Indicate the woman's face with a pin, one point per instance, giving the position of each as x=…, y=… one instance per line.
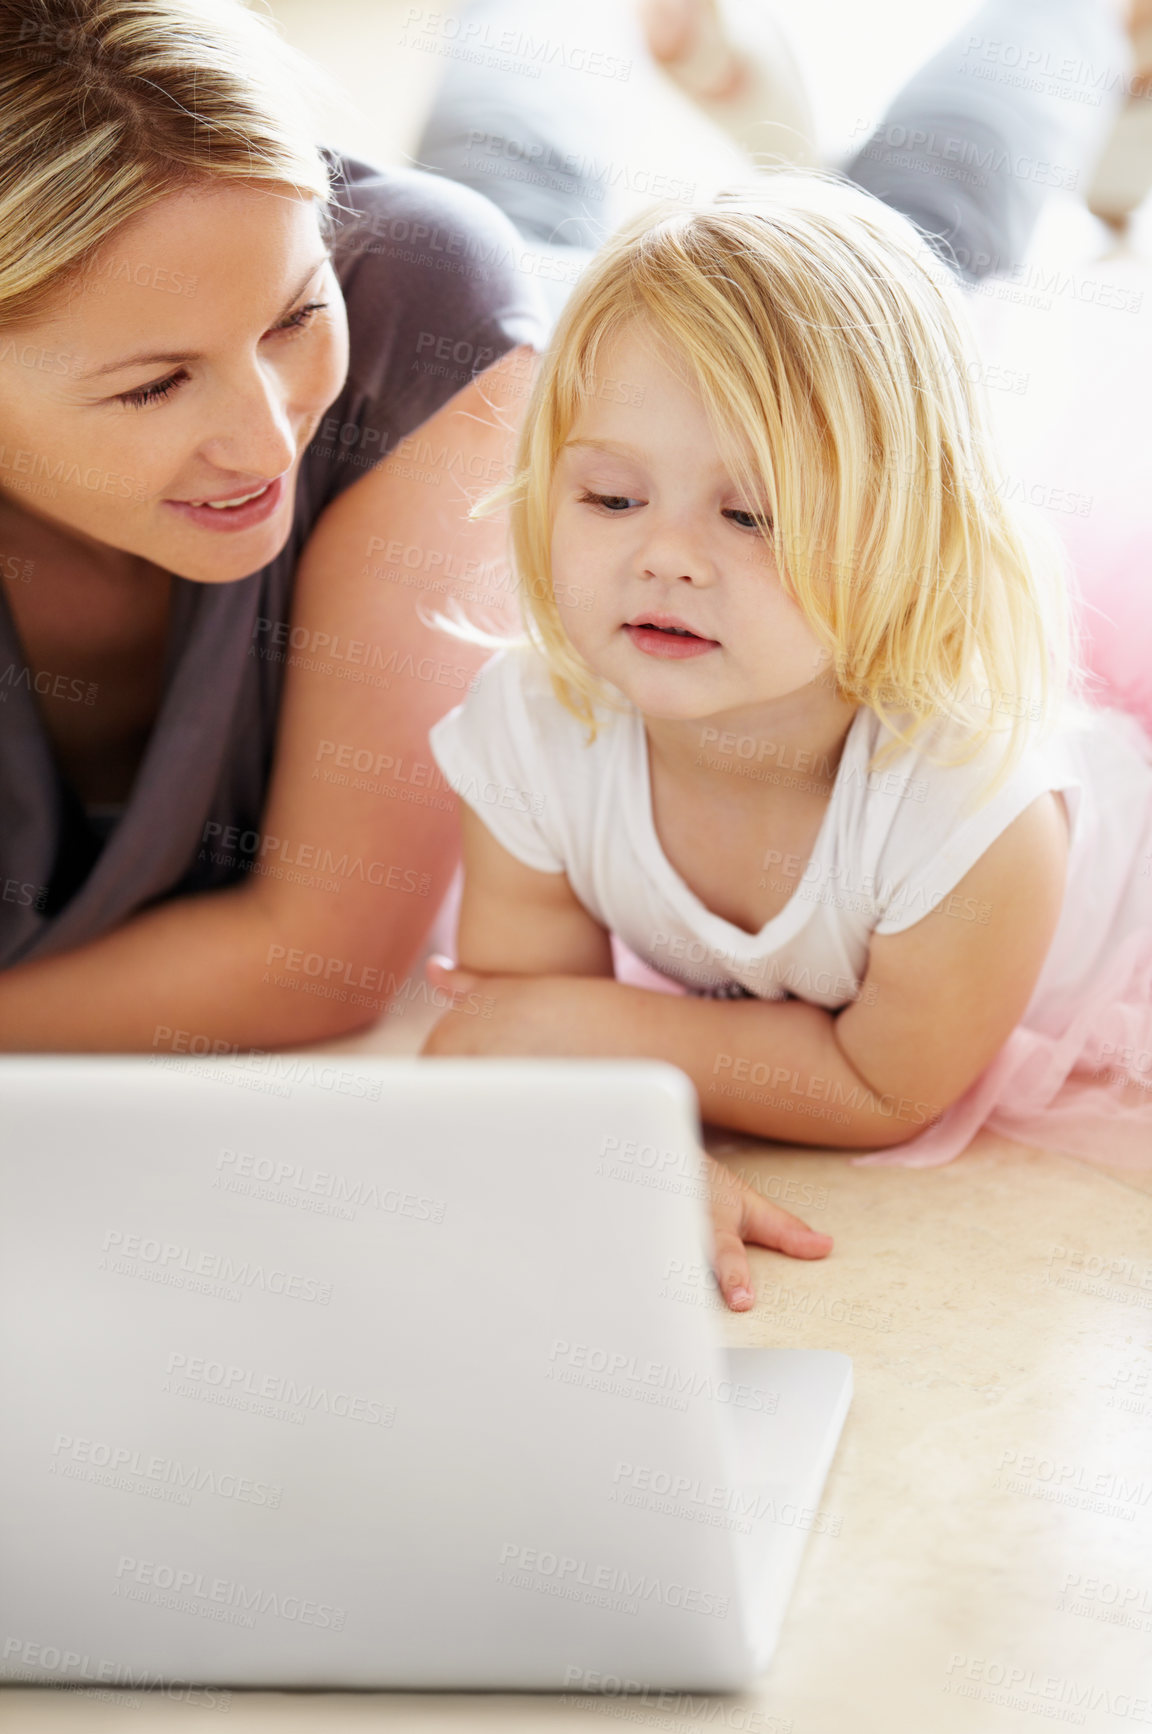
x=189, y=361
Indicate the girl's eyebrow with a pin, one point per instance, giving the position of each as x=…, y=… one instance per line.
x=624, y=450
x=605, y=446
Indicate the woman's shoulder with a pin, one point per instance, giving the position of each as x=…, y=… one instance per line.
x=433, y=215
x=434, y=295
x=431, y=273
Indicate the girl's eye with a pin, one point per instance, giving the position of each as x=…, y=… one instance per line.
x=610, y=502
x=621, y=502
x=153, y=393
x=750, y=520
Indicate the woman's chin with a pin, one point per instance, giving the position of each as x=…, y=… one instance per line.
x=227, y=566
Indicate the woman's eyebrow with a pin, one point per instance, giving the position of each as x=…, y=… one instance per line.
x=156, y=356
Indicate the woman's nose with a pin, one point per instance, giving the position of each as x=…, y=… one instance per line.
x=259, y=437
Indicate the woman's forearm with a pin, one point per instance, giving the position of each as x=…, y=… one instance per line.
x=232, y=969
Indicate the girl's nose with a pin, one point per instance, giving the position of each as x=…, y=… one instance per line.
x=678, y=551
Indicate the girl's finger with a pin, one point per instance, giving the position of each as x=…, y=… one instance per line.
x=766, y=1224
x=730, y=1264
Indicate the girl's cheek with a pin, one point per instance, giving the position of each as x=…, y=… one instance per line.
x=579, y=543
x=576, y=617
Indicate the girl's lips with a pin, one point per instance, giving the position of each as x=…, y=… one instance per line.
x=234, y=517
x=654, y=641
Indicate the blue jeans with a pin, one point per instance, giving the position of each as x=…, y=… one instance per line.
x=1019, y=101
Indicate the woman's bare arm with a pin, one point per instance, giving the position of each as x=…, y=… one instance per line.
x=275, y=961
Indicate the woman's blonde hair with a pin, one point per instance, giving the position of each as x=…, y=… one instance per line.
x=110, y=105
x=825, y=338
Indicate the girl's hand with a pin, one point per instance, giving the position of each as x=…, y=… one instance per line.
x=740, y=1214
x=525, y=1015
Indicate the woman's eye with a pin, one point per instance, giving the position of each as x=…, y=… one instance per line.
x=153, y=393
x=610, y=502
x=750, y=520
x=302, y=316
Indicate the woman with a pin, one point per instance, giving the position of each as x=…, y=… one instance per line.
x=197, y=307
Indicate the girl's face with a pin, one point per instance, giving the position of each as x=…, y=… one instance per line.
x=648, y=523
x=189, y=362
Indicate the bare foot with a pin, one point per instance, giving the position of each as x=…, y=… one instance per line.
x=733, y=61
x=687, y=38
x=1140, y=33
x=1123, y=175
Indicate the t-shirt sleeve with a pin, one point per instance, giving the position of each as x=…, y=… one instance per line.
x=485, y=751
x=938, y=832
x=429, y=271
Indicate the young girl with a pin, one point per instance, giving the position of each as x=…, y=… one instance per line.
x=798, y=718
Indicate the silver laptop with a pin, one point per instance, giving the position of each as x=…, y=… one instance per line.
x=390, y=1373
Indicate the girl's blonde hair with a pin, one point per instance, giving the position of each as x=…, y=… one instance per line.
x=109, y=105
x=825, y=338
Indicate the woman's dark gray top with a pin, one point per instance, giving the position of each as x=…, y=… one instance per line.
x=428, y=270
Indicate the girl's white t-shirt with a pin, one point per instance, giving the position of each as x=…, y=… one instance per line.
x=894, y=843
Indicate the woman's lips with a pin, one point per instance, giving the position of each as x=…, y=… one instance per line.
x=661, y=641
x=243, y=517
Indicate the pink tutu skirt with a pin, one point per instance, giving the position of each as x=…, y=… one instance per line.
x=1115, y=615
x=1086, y=1093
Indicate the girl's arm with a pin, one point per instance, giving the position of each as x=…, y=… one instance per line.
x=272, y=962
x=937, y=1003
x=515, y=919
